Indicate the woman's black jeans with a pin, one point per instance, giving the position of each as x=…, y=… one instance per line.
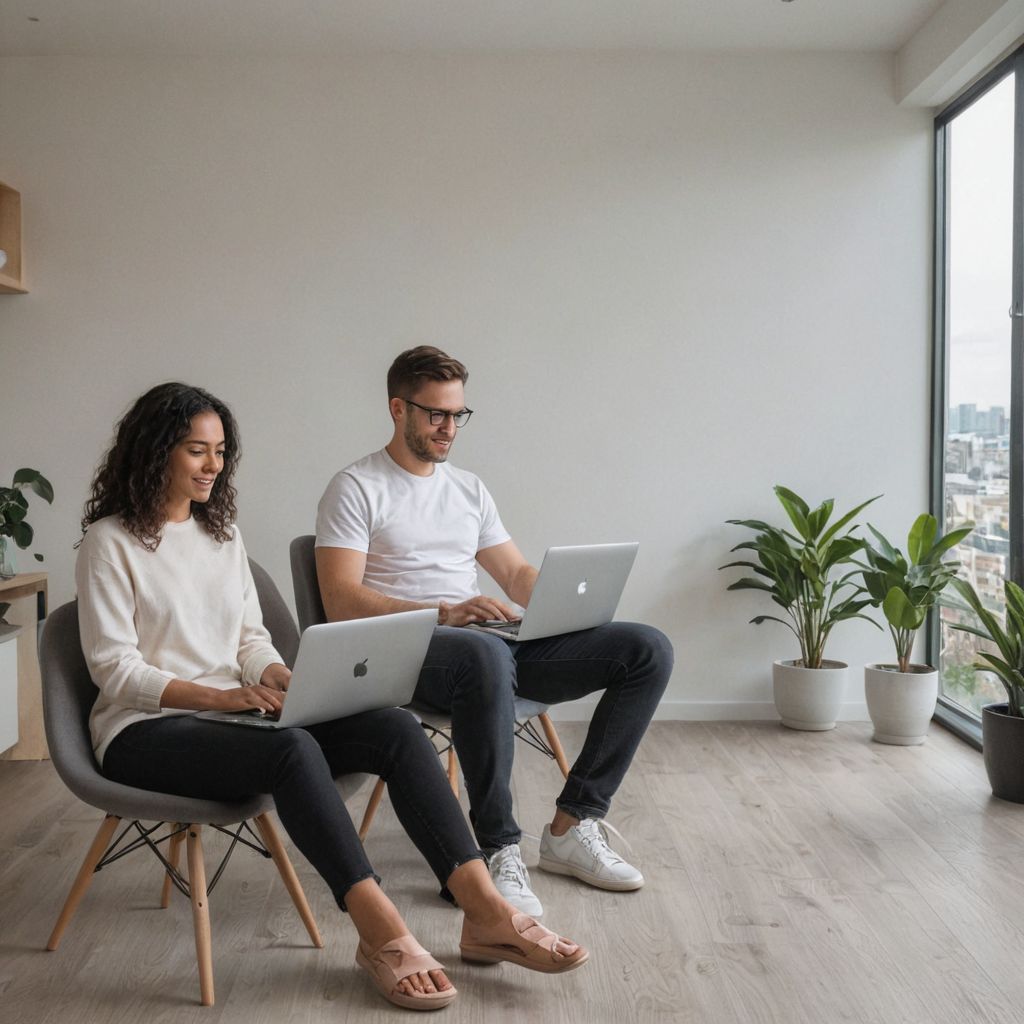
x=196, y=757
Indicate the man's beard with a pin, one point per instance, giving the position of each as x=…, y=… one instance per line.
x=421, y=447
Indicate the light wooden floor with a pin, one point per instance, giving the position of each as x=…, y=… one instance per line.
x=791, y=877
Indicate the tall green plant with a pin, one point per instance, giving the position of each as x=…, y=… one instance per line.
x=1008, y=664
x=907, y=587
x=14, y=506
x=798, y=571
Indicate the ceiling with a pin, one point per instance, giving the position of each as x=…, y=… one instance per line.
x=321, y=27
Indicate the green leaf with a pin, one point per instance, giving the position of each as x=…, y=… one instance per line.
x=34, y=479
x=997, y=665
x=756, y=621
x=751, y=524
x=950, y=540
x=819, y=517
x=1014, y=619
x=841, y=550
x=993, y=630
x=747, y=545
x=885, y=548
x=749, y=584
x=1014, y=598
x=921, y=537
x=866, y=618
x=22, y=534
x=1014, y=594
x=901, y=613
x=964, y=628
x=836, y=527
x=759, y=569
x=796, y=508
x=875, y=584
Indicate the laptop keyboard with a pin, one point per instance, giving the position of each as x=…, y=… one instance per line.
x=509, y=628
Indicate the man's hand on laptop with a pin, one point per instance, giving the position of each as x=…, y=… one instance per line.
x=476, y=609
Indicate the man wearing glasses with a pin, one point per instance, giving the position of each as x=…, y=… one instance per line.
x=403, y=529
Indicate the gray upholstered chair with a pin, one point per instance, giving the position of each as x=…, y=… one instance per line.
x=68, y=696
x=310, y=608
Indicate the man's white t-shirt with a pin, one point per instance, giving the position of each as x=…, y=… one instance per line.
x=420, y=533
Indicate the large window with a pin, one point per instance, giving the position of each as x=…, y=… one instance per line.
x=978, y=467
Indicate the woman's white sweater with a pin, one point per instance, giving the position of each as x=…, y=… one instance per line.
x=188, y=610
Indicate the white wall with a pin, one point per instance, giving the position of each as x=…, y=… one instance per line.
x=676, y=281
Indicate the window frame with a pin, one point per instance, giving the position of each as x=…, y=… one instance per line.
x=948, y=712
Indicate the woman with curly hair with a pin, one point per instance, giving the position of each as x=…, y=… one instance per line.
x=171, y=624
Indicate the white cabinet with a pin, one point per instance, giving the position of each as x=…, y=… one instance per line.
x=8, y=686
x=26, y=594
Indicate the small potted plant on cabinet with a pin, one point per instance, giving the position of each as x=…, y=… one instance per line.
x=13, y=509
x=901, y=697
x=1002, y=725
x=799, y=572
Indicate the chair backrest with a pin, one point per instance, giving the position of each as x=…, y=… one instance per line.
x=276, y=616
x=68, y=695
x=308, y=602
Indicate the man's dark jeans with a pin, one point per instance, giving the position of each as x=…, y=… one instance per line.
x=474, y=677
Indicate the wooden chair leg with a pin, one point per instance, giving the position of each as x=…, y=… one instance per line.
x=200, y=913
x=173, y=853
x=84, y=878
x=554, y=743
x=453, y=771
x=371, y=808
x=272, y=841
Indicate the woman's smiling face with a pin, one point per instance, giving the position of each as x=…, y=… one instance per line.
x=194, y=465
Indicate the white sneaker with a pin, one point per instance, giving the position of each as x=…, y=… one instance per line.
x=512, y=880
x=584, y=853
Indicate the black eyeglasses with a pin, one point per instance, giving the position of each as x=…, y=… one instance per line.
x=438, y=416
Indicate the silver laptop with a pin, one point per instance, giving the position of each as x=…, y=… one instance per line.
x=345, y=668
x=577, y=588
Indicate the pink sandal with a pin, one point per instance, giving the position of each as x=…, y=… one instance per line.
x=520, y=940
x=395, y=961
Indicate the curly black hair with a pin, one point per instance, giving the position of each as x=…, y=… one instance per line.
x=131, y=480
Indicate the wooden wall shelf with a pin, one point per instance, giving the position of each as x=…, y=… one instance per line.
x=12, y=273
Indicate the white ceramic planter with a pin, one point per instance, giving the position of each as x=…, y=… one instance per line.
x=809, y=698
x=901, y=704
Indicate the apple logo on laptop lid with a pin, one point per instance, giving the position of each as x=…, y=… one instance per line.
x=360, y=669
x=582, y=588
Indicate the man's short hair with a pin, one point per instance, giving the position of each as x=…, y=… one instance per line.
x=416, y=366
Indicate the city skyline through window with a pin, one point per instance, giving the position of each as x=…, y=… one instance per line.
x=979, y=154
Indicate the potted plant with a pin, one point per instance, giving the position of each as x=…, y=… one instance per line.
x=1002, y=725
x=799, y=572
x=13, y=509
x=901, y=697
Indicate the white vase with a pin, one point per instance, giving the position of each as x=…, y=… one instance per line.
x=809, y=698
x=901, y=704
